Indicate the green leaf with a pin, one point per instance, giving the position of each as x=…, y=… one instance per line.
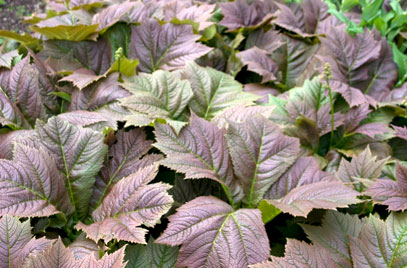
x=268, y=211
x=67, y=32
x=401, y=60
x=125, y=66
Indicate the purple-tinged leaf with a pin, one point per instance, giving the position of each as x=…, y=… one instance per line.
x=160, y=95
x=303, y=19
x=323, y=195
x=391, y=193
x=146, y=10
x=78, y=154
x=293, y=58
x=372, y=129
x=259, y=62
x=129, y=204
x=165, y=46
x=82, y=78
x=31, y=185
x=83, y=247
x=102, y=98
x=112, y=14
x=77, y=4
x=304, y=171
x=14, y=235
x=239, y=14
x=34, y=246
x=260, y=154
x=125, y=157
x=178, y=11
x=95, y=56
x=362, y=166
x=354, y=116
x=268, y=41
x=261, y=90
x=200, y=151
x=336, y=229
x=300, y=254
x=55, y=256
x=239, y=114
x=114, y=260
x=212, y=234
x=214, y=91
x=381, y=243
x=400, y=132
x=7, y=142
x=92, y=120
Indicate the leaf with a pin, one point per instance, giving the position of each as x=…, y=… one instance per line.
x=82, y=78
x=126, y=156
x=362, y=166
x=21, y=87
x=31, y=185
x=129, y=204
x=92, y=120
x=389, y=192
x=83, y=247
x=239, y=14
x=14, y=235
x=214, y=91
x=111, y=15
x=200, y=151
x=212, y=234
x=268, y=212
x=299, y=254
x=165, y=47
x=381, y=243
x=101, y=97
x=240, y=114
x=305, y=170
x=260, y=154
x=64, y=27
x=160, y=95
x=324, y=195
x=257, y=61
x=6, y=59
x=78, y=154
x=336, y=228
x=293, y=58
x=115, y=259
x=55, y=256
x=151, y=255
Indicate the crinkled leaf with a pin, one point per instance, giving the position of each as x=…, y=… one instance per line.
x=179, y=12
x=336, y=229
x=125, y=157
x=200, y=151
x=111, y=14
x=260, y=154
x=324, y=194
x=381, y=243
x=391, y=193
x=240, y=114
x=304, y=171
x=83, y=247
x=214, y=91
x=78, y=153
x=31, y=185
x=115, y=260
x=240, y=13
x=6, y=59
x=299, y=254
x=259, y=62
x=160, y=95
x=212, y=234
x=362, y=166
x=88, y=119
x=165, y=46
x=82, y=78
x=151, y=255
x=129, y=204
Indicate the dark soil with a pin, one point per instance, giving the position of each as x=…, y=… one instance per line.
x=12, y=13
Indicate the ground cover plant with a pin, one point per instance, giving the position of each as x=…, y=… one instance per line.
x=188, y=133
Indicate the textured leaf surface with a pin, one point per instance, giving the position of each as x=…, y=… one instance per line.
x=115, y=260
x=260, y=154
x=78, y=153
x=164, y=47
x=31, y=185
x=214, y=91
x=125, y=157
x=200, y=151
x=325, y=194
x=160, y=95
x=259, y=62
x=129, y=204
x=213, y=235
x=391, y=193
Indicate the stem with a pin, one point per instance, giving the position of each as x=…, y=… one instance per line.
x=226, y=190
x=331, y=140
